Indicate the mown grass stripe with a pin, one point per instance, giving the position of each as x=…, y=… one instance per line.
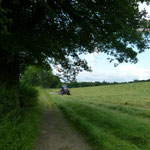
x=98, y=136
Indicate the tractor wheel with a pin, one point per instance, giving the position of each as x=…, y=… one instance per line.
x=68, y=93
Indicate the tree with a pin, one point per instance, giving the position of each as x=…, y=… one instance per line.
x=36, y=76
x=39, y=32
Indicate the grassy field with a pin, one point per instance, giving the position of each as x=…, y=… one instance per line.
x=115, y=117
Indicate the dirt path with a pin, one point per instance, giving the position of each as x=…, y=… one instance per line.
x=57, y=134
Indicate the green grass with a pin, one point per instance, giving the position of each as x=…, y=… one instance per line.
x=115, y=117
x=18, y=132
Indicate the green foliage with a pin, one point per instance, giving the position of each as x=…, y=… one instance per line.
x=113, y=117
x=18, y=128
x=18, y=131
x=14, y=98
x=4, y=21
x=37, y=76
x=9, y=136
x=56, y=32
x=42, y=32
x=27, y=96
x=31, y=76
x=8, y=99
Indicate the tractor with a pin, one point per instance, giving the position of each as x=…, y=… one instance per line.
x=64, y=90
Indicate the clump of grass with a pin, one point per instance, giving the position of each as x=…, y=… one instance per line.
x=17, y=133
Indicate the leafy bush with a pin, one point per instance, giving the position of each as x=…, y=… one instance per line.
x=18, y=127
x=9, y=99
x=16, y=97
x=9, y=136
x=27, y=96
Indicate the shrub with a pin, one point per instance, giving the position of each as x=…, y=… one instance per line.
x=9, y=99
x=27, y=96
x=9, y=137
x=18, y=127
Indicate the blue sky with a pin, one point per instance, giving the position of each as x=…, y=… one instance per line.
x=103, y=70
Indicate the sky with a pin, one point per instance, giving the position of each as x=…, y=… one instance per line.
x=105, y=71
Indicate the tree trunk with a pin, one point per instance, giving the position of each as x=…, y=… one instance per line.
x=9, y=67
x=9, y=81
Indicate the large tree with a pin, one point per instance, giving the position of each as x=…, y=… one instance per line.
x=39, y=32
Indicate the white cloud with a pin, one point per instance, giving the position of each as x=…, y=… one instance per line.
x=120, y=74
x=91, y=58
x=143, y=6
x=134, y=71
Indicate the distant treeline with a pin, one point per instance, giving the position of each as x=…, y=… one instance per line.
x=76, y=84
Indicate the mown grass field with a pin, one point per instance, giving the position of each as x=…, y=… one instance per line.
x=115, y=117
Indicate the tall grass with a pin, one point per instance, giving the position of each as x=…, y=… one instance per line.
x=19, y=128
x=112, y=117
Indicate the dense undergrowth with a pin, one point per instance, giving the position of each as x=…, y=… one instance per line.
x=19, y=126
x=110, y=117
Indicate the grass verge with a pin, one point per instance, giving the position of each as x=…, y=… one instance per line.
x=18, y=129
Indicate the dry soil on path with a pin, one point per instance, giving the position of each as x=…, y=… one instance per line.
x=56, y=133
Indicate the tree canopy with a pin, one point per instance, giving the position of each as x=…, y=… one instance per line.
x=39, y=32
x=44, y=32
x=37, y=76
